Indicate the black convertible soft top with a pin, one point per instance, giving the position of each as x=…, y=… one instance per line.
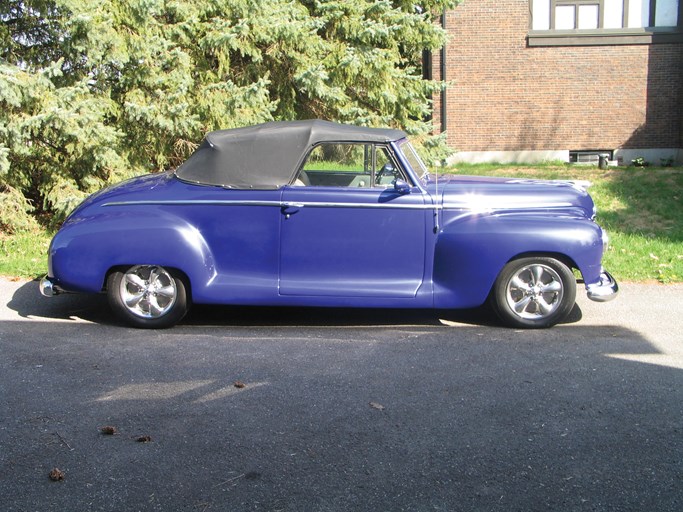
x=267, y=155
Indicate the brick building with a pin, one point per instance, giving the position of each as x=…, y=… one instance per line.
x=533, y=80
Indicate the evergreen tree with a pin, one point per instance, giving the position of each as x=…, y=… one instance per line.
x=91, y=93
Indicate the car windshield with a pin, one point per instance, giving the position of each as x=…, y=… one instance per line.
x=414, y=160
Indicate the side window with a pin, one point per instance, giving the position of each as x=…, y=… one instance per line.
x=347, y=165
x=386, y=170
x=338, y=165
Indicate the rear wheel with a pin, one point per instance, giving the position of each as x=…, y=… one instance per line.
x=534, y=292
x=147, y=296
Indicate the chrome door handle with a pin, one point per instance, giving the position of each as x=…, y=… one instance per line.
x=289, y=209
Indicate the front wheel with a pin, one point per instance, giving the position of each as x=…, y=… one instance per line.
x=147, y=296
x=534, y=292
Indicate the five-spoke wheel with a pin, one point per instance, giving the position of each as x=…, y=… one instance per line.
x=534, y=292
x=147, y=296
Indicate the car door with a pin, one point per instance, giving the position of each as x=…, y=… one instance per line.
x=346, y=231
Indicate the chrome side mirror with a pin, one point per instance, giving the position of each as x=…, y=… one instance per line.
x=401, y=186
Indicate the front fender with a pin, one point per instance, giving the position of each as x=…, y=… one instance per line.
x=84, y=250
x=472, y=250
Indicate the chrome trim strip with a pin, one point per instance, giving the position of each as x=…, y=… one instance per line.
x=467, y=206
x=484, y=206
x=193, y=202
x=368, y=205
x=278, y=204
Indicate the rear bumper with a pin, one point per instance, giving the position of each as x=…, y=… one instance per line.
x=48, y=288
x=604, y=290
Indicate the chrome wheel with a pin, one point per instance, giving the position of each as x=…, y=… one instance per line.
x=535, y=291
x=148, y=296
x=148, y=291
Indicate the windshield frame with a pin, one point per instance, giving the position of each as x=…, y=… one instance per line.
x=412, y=157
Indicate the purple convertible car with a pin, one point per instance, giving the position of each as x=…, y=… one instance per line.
x=313, y=213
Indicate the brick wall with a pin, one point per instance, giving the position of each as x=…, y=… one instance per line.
x=506, y=96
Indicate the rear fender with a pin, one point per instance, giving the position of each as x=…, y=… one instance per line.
x=471, y=251
x=84, y=250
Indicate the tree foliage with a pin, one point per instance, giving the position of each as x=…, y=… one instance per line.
x=94, y=92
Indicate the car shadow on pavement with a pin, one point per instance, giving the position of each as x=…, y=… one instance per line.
x=28, y=303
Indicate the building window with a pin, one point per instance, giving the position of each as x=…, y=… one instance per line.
x=575, y=15
x=606, y=21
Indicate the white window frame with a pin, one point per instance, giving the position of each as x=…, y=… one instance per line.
x=633, y=28
x=554, y=4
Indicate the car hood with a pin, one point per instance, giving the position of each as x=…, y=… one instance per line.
x=491, y=193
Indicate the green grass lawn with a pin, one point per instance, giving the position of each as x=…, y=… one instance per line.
x=24, y=254
x=642, y=210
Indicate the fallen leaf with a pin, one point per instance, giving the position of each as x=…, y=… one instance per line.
x=239, y=384
x=377, y=406
x=144, y=439
x=56, y=475
x=109, y=430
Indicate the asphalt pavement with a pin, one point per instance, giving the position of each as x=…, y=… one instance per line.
x=259, y=409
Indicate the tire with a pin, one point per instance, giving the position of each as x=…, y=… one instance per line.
x=147, y=296
x=534, y=292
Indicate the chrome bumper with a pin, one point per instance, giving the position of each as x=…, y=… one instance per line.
x=605, y=290
x=48, y=288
